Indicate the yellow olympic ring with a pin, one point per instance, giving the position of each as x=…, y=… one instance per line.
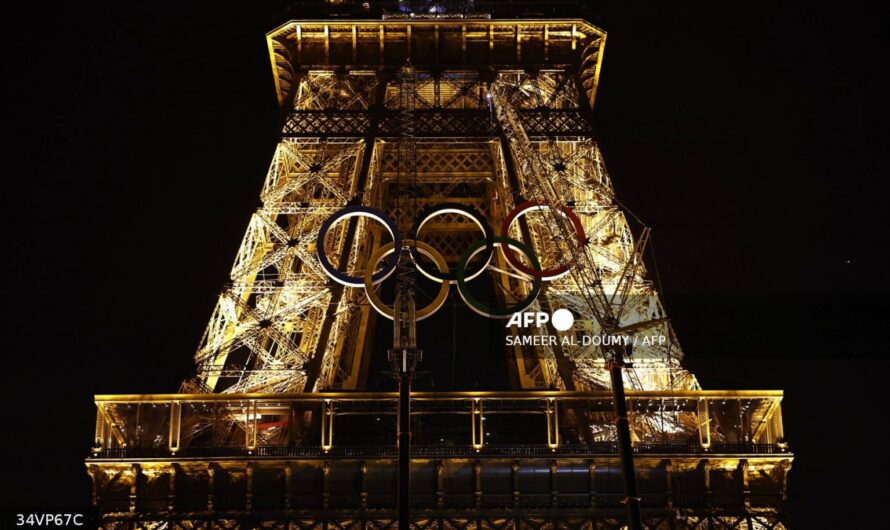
x=422, y=248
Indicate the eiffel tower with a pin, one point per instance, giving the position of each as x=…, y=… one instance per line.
x=438, y=242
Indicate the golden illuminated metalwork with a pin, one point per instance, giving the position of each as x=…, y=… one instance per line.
x=701, y=455
x=272, y=431
x=279, y=311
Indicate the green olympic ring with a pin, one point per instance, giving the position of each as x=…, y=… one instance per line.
x=479, y=307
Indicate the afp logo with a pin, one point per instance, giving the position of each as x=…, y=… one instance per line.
x=562, y=319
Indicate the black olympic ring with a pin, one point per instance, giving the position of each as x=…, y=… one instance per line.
x=346, y=213
x=465, y=211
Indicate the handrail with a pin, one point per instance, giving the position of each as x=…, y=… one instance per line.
x=443, y=396
x=391, y=451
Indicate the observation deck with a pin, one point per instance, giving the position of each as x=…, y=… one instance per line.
x=329, y=456
x=436, y=43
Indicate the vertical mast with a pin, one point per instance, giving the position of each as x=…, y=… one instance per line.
x=404, y=356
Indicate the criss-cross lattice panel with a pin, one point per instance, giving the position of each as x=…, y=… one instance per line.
x=267, y=321
x=727, y=522
x=550, y=122
x=312, y=123
x=448, y=172
x=454, y=162
x=325, y=90
x=544, y=89
x=381, y=523
x=449, y=90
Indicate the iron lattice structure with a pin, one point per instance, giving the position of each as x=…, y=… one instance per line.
x=484, y=144
x=494, y=113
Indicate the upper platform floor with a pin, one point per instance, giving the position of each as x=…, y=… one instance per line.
x=435, y=43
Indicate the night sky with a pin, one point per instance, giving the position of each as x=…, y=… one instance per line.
x=750, y=136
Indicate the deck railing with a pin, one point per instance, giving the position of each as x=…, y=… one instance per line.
x=343, y=424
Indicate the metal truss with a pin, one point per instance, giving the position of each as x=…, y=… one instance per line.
x=266, y=324
x=270, y=319
x=432, y=123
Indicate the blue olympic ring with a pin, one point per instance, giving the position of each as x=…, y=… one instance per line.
x=358, y=211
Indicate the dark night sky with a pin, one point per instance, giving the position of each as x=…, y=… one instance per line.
x=747, y=134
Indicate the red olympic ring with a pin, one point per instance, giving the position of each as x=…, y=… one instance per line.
x=545, y=274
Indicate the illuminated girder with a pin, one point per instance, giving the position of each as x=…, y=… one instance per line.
x=278, y=294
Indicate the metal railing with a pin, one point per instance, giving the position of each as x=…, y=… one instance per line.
x=524, y=423
x=445, y=452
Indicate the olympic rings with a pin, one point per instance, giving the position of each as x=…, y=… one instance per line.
x=536, y=271
x=422, y=248
x=478, y=306
x=465, y=211
x=346, y=213
x=442, y=273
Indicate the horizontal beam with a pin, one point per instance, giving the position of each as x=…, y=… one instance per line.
x=442, y=396
x=596, y=450
x=320, y=23
x=432, y=123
